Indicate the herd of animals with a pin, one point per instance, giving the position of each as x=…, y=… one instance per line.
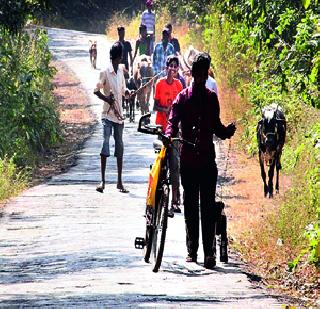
x=271, y=129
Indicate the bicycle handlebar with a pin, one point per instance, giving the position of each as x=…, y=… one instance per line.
x=146, y=128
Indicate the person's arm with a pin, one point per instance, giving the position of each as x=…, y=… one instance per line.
x=221, y=130
x=136, y=50
x=174, y=117
x=102, y=80
x=123, y=85
x=154, y=61
x=178, y=47
x=159, y=108
x=109, y=99
x=170, y=49
x=130, y=53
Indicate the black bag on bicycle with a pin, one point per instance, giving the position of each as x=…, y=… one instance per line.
x=221, y=230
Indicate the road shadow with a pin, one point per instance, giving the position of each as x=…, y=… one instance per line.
x=135, y=300
x=45, y=267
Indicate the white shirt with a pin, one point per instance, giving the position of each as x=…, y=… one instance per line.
x=149, y=20
x=116, y=83
x=210, y=84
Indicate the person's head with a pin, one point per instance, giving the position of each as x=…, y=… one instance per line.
x=165, y=35
x=172, y=65
x=169, y=27
x=116, y=52
x=149, y=5
x=121, y=32
x=143, y=30
x=200, y=67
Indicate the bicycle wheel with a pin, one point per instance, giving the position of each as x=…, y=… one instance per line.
x=149, y=233
x=160, y=228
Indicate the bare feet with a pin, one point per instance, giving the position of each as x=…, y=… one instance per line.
x=100, y=187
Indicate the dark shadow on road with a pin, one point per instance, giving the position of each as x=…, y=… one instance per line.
x=132, y=300
x=47, y=267
x=62, y=54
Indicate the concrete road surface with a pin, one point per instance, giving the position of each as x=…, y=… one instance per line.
x=64, y=244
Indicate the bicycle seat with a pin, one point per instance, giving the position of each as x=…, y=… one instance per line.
x=157, y=145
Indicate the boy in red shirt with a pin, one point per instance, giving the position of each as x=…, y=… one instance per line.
x=166, y=90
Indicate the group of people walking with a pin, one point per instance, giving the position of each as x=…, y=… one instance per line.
x=193, y=111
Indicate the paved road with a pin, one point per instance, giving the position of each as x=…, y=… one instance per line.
x=64, y=244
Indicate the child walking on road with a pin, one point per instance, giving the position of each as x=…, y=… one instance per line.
x=113, y=84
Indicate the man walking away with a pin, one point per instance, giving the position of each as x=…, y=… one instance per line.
x=174, y=41
x=197, y=110
x=148, y=18
x=126, y=51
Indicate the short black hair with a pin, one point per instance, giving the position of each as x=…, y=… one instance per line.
x=116, y=50
x=143, y=26
x=165, y=30
x=172, y=58
x=200, y=63
x=120, y=28
x=168, y=26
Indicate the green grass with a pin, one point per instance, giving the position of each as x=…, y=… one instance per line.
x=12, y=181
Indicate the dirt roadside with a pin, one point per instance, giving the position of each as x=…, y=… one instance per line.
x=246, y=206
x=77, y=124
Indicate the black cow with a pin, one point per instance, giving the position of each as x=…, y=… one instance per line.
x=130, y=100
x=271, y=133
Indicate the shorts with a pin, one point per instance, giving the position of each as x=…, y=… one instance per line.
x=117, y=135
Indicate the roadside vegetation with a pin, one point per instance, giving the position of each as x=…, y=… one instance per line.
x=29, y=121
x=269, y=53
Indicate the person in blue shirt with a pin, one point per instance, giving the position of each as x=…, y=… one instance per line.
x=161, y=52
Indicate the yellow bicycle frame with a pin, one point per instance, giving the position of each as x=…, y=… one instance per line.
x=154, y=177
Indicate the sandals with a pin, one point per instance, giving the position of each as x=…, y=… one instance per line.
x=100, y=187
x=191, y=259
x=122, y=189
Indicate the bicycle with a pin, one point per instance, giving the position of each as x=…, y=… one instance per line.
x=157, y=211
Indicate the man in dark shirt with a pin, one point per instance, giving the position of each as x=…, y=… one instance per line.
x=197, y=110
x=174, y=41
x=126, y=51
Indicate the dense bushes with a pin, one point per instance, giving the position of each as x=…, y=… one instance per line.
x=28, y=115
x=29, y=120
x=270, y=53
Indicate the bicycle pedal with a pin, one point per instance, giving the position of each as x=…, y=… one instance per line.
x=170, y=214
x=139, y=243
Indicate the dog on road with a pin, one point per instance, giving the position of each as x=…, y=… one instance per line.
x=93, y=53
